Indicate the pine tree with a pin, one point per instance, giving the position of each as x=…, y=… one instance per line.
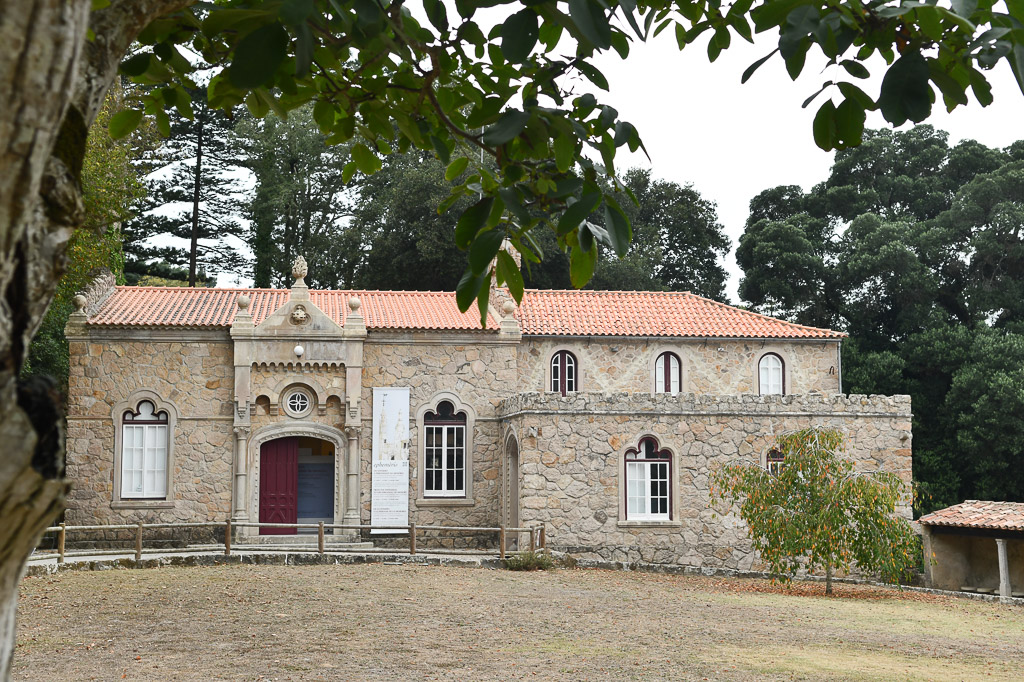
x=188, y=226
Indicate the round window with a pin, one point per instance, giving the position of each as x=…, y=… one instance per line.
x=298, y=403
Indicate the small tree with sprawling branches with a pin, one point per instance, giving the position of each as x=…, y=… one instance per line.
x=815, y=510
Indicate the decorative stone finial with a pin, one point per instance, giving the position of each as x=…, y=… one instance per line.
x=299, y=270
x=80, y=302
x=508, y=307
x=243, y=302
x=354, y=303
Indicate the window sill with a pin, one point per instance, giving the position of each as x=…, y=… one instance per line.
x=142, y=504
x=650, y=524
x=445, y=502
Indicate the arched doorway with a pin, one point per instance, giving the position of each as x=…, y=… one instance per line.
x=512, y=486
x=297, y=482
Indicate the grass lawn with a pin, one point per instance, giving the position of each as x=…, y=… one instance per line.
x=385, y=622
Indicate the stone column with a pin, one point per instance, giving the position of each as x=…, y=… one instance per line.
x=241, y=489
x=1004, y=569
x=352, y=515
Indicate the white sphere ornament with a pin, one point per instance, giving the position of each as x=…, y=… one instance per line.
x=508, y=307
x=299, y=350
x=243, y=302
x=80, y=302
x=354, y=303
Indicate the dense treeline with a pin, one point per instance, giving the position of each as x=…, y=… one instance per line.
x=915, y=248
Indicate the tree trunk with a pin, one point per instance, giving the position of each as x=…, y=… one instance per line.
x=828, y=579
x=52, y=83
x=193, y=253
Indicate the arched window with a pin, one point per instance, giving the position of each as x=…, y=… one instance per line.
x=668, y=372
x=773, y=461
x=444, y=450
x=771, y=375
x=648, y=482
x=144, y=435
x=564, y=373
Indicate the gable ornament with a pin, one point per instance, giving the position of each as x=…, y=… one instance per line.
x=299, y=271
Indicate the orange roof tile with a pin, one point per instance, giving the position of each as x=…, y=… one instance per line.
x=649, y=313
x=182, y=306
x=979, y=514
x=542, y=313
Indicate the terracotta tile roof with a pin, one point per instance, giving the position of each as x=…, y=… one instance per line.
x=979, y=514
x=650, y=313
x=181, y=306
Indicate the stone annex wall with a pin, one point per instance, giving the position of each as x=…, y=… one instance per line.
x=196, y=379
x=572, y=450
x=480, y=374
x=610, y=365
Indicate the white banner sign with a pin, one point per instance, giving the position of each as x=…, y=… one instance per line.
x=389, y=502
x=390, y=496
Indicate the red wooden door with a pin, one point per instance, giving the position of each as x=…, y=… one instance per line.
x=279, y=484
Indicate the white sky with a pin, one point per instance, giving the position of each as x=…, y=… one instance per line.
x=732, y=140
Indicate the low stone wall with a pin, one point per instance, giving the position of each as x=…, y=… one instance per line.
x=572, y=472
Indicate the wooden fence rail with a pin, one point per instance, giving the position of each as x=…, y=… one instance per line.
x=537, y=541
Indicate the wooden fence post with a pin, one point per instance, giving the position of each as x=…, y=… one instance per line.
x=60, y=544
x=138, y=544
x=501, y=543
x=320, y=537
x=533, y=540
x=412, y=539
x=227, y=537
x=543, y=540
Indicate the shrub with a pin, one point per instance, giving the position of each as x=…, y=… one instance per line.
x=529, y=561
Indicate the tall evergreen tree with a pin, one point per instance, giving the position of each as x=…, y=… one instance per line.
x=301, y=202
x=187, y=226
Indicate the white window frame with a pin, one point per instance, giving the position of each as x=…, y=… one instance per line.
x=572, y=372
x=286, y=400
x=771, y=375
x=640, y=474
x=675, y=373
x=430, y=498
x=154, y=494
x=450, y=451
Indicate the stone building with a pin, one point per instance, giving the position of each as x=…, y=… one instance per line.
x=599, y=414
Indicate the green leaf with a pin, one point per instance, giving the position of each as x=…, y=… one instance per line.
x=437, y=14
x=348, y=171
x=616, y=223
x=565, y=152
x=592, y=74
x=258, y=55
x=123, y=123
x=163, y=123
x=825, y=126
x=581, y=266
x=592, y=22
x=965, y=8
x=323, y=114
x=578, y=212
x=756, y=65
x=456, y=168
x=482, y=302
x=506, y=128
x=855, y=69
x=472, y=221
x=849, y=121
x=468, y=289
x=509, y=273
x=483, y=250
x=905, y=92
x=519, y=36
x=137, y=65
x=366, y=161
x=295, y=12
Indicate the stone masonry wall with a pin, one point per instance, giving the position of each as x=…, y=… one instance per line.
x=481, y=375
x=196, y=378
x=571, y=464
x=609, y=365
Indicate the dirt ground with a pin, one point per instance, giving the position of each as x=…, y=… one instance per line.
x=390, y=622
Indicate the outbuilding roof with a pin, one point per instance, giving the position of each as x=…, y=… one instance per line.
x=979, y=514
x=542, y=312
